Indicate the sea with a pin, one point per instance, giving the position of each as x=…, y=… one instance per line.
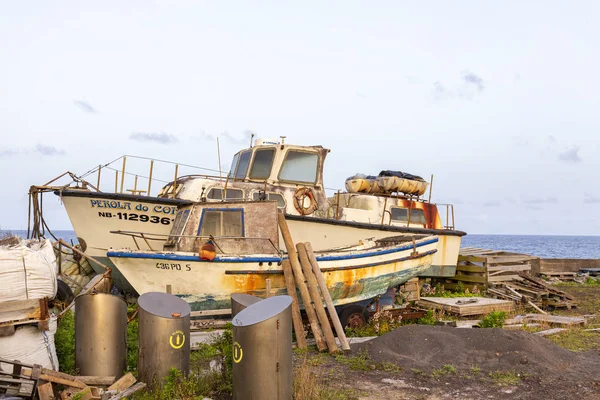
x=540, y=246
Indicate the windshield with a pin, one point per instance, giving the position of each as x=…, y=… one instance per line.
x=242, y=167
x=263, y=161
x=234, y=164
x=299, y=166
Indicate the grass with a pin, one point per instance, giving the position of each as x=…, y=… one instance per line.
x=577, y=339
x=359, y=362
x=417, y=372
x=64, y=339
x=504, y=378
x=307, y=386
x=475, y=370
x=445, y=370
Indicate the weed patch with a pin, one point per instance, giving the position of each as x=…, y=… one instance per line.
x=495, y=319
x=505, y=377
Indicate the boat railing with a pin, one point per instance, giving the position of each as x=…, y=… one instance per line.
x=164, y=237
x=449, y=215
x=143, y=181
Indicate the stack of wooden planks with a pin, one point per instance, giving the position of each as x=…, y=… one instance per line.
x=533, y=291
x=483, y=268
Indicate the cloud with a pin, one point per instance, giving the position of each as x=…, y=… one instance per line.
x=570, y=156
x=48, y=150
x=84, y=106
x=472, y=79
x=161, y=137
x=243, y=139
x=493, y=203
x=551, y=139
x=440, y=92
x=538, y=200
x=9, y=152
x=510, y=200
x=471, y=84
x=533, y=207
x=591, y=199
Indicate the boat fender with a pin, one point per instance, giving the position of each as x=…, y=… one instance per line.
x=299, y=201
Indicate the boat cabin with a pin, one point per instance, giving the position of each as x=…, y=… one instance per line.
x=292, y=176
x=248, y=227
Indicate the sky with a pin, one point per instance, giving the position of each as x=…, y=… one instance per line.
x=498, y=100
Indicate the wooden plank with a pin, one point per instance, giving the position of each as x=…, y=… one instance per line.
x=206, y=313
x=313, y=289
x=300, y=282
x=97, y=380
x=135, y=388
x=512, y=267
x=296, y=316
x=555, y=319
x=45, y=391
x=57, y=377
x=470, y=278
x=470, y=268
x=339, y=329
x=549, y=332
x=502, y=278
x=123, y=383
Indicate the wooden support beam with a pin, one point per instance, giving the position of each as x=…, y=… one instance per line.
x=313, y=289
x=339, y=329
x=296, y=316
x=300, y=282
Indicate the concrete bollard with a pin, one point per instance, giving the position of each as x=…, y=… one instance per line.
x=164, y=336
x=262, y=350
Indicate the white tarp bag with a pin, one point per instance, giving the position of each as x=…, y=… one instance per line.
x=30, y=346
x=28, y=271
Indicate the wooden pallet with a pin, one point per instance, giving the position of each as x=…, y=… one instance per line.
x=23, y=312
x=482, y=268
x=15, y=383
x=463, y=306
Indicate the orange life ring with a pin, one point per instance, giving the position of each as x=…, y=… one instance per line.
x=299, y=201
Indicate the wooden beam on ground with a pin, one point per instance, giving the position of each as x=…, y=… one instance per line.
x=123, y=383
x=339, y=329
x=313, y=289
x=135, y=388
x=57, y=377
x=301, y=282
x=97, y=380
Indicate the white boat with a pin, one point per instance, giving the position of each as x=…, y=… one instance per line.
x=245, y=239
x=289, y=174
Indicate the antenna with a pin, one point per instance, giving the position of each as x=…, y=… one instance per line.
x=219, y=157
x=251, y=137
x=282, y=139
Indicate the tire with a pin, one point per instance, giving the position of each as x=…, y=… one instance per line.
x=64, y=292
x=353, y=316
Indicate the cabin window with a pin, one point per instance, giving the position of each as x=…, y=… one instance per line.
x=242, y=167
x=263, y=161
x=231, y=194
x=234, y=165
x=299, y=166
x=178, y=225
x=271, y=196
x=417, y=216
x=222, y=222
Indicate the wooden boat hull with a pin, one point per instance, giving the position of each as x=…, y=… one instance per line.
x=350, y=276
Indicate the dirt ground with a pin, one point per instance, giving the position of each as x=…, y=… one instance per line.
x=431, y=362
